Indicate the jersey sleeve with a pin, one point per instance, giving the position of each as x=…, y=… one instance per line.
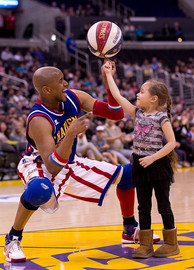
x=74, y=100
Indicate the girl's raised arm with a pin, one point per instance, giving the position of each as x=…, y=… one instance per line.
x=126, y=105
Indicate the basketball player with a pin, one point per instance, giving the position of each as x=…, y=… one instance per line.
x=49, y=168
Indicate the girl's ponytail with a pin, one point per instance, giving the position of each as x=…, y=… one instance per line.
x=169, y=105
x=160, y=89
x=172, y=155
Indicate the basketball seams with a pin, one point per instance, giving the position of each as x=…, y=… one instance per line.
x=104, y=39
x=102, y=35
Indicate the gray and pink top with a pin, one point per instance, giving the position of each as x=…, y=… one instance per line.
x=148, y=134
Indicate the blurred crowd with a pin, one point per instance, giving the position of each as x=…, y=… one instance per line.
x=104, y=139
x=130, y=31
x=168, y=32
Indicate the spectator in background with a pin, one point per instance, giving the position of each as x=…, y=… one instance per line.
x=2, y=29
x=87, y=149
x=75, y=83
x=68, y=76
x=4, y=86
x=6, y=54
x=140, y=33
x=5, y=147
x=19, y=96
x=191, y=133
x=147, y=70
x=181, y=133
x=3, y=104
x=71, y=11
x=71, y=47
x=120, y=69
x=127, y=127
x=128, y=30
x=28, y=59
x=2, y=68
x=3, y=132
x=11, y=115
x=91, y=128
x=10, y=24
x=60, y=25
x=18, y=133
x=177, y=32
x=38, y=54
x=155, y=64
x=116, y=139
x=80, y=11
x=63, y=8
x=18, y=57
x=166, y=32
x=190, y=140
x=134, y=87
x=128, y=69
x=176, y=74
x=55, y=7
x=99, y=141
x=89, y=11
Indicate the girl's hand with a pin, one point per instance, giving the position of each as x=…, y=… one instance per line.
x=146, y=161
x=107, y=67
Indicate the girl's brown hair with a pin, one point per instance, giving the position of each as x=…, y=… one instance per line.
x=160, y=89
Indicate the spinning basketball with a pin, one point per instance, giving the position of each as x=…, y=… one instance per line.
x=104, y=39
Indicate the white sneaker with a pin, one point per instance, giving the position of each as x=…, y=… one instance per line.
x=12, y=249
x=131, y=235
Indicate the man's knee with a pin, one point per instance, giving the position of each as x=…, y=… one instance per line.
x=126, y=178
x=38, y=192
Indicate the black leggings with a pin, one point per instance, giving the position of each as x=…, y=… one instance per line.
x=144, y=196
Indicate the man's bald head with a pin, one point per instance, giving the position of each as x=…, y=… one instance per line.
x=44, y=76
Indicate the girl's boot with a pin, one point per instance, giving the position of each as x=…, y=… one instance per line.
x=145, y=250
x=170, y=246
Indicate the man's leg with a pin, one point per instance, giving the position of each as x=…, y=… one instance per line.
x=126, y=196
x=38, y=192
x=22, y=217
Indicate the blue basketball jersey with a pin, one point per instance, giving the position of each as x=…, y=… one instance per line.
x=60, y=122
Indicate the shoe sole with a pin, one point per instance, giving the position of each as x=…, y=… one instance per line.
x=176, y=252
x=143, y=257
x=13, y=260
x=124, y=241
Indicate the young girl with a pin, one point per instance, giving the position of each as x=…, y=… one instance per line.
x=151, y=161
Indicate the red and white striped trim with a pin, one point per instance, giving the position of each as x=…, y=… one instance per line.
x=57, y=160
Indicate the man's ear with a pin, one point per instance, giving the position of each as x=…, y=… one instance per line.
x=46, y=89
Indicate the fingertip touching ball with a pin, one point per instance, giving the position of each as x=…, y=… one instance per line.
x=104, y=39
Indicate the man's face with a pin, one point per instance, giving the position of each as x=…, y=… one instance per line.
x=58, y=87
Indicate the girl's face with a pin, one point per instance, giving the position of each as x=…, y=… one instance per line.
x=144, y=97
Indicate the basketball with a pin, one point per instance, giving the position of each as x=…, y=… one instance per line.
x=104, y=39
